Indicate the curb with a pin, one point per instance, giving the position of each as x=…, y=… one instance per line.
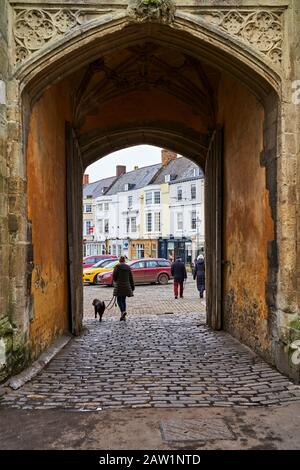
x=26, y=375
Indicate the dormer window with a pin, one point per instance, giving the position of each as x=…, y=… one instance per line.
x=128, y=186
x=169, y=178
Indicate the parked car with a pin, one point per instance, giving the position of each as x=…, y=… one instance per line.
x=144, y=271
x=90, y=274
x=91, y=260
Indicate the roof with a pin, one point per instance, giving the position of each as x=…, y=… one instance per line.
x=95, y=189
x=139, y=178
x=182, y=169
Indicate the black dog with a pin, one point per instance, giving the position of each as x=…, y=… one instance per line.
x=99, y=306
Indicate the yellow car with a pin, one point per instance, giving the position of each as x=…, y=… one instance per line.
x=90, y=274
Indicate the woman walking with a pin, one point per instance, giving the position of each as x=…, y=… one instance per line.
x=199, y=273
x=124, y=285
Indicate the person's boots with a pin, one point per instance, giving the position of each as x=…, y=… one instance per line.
x=123, y=316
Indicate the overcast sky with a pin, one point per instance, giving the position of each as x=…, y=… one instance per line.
x=141, y=155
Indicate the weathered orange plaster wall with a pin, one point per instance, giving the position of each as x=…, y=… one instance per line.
x=248, y=225
x=46, y=173
x=141, y=106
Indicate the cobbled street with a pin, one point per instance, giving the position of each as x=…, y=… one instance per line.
x=162, y=356
x=148, y=299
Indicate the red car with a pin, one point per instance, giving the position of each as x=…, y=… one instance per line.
x=89, y=261
x=144, y=271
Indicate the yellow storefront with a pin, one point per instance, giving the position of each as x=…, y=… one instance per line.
x=142, y=248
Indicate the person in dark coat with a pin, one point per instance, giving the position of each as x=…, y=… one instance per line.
x=199, y=274
x=178, y=271
x=123, y=285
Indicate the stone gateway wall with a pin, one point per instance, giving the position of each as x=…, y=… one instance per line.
x=248, y=223
x=164, y=72
x=5, y=320
x=46, y=179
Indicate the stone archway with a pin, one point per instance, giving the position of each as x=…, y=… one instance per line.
x=186, y=142
x=214, y=80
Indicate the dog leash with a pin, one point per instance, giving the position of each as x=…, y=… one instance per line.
x=113, y=300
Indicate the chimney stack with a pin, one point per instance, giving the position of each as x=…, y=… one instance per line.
x=120, y=170
x=136, y=167
x=86, y=179
x=167, y=156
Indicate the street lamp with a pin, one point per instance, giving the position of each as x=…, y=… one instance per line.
x=198, y=220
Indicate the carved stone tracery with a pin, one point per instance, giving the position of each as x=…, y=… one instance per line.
x=261, y=28
x=34, y=28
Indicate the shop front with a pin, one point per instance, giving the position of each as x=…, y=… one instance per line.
x=142, y=248
x=172, y=248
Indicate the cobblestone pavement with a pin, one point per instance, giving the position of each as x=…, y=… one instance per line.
x=148, y=299
x=153, y=360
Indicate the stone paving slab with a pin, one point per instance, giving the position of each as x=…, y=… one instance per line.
x=191, y=430
x=124, y=429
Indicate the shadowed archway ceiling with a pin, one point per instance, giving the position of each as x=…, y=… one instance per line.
x=146, y=67
x=151, y=89
x=130, y=79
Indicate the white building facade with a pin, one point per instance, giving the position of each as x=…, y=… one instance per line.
x=152, y=223
x=187, y=213
x=91, y=245
x=162, y=205
x=105, y=220
x=117, y=219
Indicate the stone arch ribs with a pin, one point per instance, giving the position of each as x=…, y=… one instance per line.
x=146, y=66
x=101, y=142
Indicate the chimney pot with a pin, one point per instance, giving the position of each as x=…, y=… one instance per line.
x=136, y=167
x=86, y=179
x=167, y=156
x=120, y=170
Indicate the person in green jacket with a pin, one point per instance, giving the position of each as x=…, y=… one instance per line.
x=123, y=285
